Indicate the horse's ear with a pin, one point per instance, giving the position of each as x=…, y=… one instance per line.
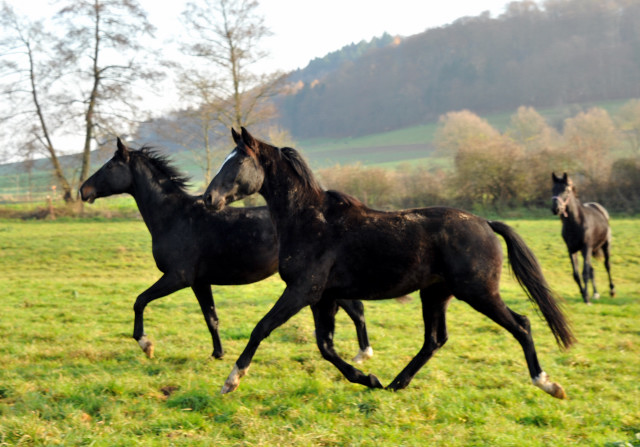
x=236, y=136
x=248, y=140
x=122, y=151
x=554, y=177
x=565, y=178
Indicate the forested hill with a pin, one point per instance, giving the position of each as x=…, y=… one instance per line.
x=321, y=66
x=548, y=54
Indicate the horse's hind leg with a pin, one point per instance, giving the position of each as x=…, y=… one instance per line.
x=208, y=307
x=324, y=316
x=434, y=306
x=518, y=325
x=605, y=251
x=355, y=310
x=166, y=285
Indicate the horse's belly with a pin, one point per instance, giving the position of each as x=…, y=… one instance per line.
x=375, y=284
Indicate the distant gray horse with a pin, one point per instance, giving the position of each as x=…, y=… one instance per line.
x=585, y=228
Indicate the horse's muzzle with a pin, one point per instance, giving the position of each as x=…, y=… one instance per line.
x=88, y=193
x=214, y=203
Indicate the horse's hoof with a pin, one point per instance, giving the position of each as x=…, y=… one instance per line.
x=596, y=296
x=549, y=387
x=396, y=385
x=363, y=355
x=233, y=380
x=393, y=386
x=612, y=292
x=229, y=387
x=147, y=346
x=558, y=391
x=374, y=382
x=217, y=355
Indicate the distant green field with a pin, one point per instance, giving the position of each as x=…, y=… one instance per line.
x=389, y=149
x=72, y=375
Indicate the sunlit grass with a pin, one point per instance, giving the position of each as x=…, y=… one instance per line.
x=72, y=375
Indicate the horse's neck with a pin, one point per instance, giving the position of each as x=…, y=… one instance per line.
x=287, y=197
x=154, y=204
x=574, y=210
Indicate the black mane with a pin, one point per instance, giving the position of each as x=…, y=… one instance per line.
x=300, y=167
x=162, y=164
x=344, y=198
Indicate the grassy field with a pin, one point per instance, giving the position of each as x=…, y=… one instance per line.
x=72, y=375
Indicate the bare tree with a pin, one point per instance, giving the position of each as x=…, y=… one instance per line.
x=227, y=35
x=25, y=112
x=200, y=88
x=80, y=82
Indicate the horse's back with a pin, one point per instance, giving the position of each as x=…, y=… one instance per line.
x=601, y=209
x=390, y=253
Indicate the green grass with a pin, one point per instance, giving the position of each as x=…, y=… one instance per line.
x=71, y=375
x=411, y=135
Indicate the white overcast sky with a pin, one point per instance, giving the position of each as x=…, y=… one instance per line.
x=302, y=29
x=306, y=29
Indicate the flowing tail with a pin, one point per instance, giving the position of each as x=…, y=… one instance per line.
x=527, y=271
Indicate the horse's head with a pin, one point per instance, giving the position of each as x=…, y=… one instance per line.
x=240, y=174
x=561, y=193
x=112, y=178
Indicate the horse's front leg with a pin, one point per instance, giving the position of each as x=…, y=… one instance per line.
x=587, y=275
x=163, y=287
x=324, y=316
x=208, y=307
x=293, y=299
x=576, y=276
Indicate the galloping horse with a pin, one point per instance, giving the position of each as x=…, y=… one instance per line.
x=192, y=245
x=585, y=229
x=334, y=247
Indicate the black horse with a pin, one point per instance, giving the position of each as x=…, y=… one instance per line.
x=192, y=245
x=333, y=247
x=585, y=228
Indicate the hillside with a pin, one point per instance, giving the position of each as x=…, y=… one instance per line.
x=559, y=53
x=378, y=102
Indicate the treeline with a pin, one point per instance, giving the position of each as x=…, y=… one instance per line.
x=559, y=52
x=493, y=171
x=321, y=66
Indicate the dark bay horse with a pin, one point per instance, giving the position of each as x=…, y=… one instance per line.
x=334, y=247
x=585, y=229
x=194, y=246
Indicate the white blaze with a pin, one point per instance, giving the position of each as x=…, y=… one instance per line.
x=229, y=157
